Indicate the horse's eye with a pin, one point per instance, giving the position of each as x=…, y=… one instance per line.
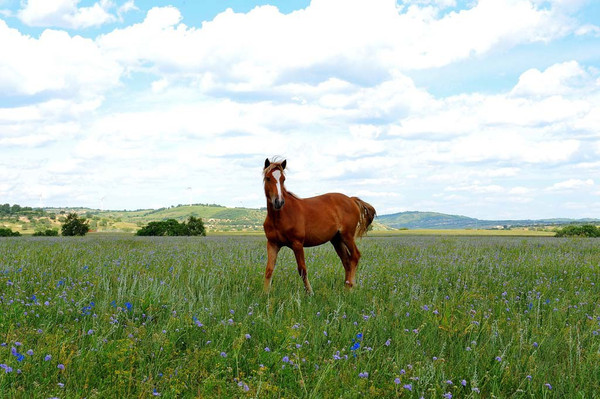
x=267, y=179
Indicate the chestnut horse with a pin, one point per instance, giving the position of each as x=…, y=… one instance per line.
x=297, y=223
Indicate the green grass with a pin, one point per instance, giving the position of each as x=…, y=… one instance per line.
x=133, y=316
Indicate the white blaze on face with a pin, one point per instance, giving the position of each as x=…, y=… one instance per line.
x=277, y=177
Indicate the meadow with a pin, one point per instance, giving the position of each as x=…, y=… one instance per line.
x=431, y=316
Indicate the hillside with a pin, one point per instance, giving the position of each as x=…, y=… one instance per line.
x=222, y=219
x=215, y=217
x=426, y=220
x=433, y=220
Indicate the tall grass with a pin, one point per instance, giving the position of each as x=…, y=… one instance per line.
x=186, y=317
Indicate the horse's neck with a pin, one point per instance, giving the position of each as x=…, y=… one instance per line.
x=290, y=202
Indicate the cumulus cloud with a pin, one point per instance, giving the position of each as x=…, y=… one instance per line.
x=571, y=184
x=66, y=13
x=560, y=79
x=55, y=63
x=265, y=48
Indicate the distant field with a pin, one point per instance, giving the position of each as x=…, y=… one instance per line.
x=465, y=232
x=123, y=316
x=219, y=219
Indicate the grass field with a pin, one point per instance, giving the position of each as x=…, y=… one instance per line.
x=432, y=316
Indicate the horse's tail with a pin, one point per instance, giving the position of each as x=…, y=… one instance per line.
x=367, y=214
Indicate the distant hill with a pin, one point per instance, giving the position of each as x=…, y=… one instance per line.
x=433, y=220
x=215, y=217
x=222, y=219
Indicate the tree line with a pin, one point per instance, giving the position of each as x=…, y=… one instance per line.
x=74, y=225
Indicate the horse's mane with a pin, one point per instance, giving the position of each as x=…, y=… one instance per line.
x=273, y=165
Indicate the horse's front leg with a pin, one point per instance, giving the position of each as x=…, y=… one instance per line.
x=272, y=251
x=299, y=253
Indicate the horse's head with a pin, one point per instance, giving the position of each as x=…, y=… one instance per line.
x=273, y=179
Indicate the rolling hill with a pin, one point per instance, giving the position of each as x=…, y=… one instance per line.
x=222, y=219
x=433, y=220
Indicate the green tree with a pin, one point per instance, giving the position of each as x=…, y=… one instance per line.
x=195, y=226
x=586, y=230
x=74, y=225
x=46, y=233
x=6, y=232
x=172, y=227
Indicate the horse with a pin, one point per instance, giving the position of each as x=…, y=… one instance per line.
x=296, y=223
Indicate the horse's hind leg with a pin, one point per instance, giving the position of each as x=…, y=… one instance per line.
x=299, y=253
x=344, y=254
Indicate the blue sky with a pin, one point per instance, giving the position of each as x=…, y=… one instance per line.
x=489, y=108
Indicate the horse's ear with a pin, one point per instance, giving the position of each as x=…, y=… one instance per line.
x=283, y=164
x=267, y=163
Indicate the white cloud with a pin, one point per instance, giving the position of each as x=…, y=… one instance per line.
x=126, y=7
x=588, y=29
x=62, y=65
x=240, y=52
x=559, y=79
x=478, y=189
x=66, y=13
x=520, y=191
x=571, y=184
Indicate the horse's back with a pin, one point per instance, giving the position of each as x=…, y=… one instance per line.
x=328, y=214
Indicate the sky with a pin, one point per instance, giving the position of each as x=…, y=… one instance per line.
x=489, y=109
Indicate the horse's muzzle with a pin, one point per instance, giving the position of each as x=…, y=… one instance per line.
x=278, y=204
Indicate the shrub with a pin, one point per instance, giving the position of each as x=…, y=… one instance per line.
x=46, y=233
x=586, y=230
x=74, y=226
x=171, y=227
x=6, y=232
